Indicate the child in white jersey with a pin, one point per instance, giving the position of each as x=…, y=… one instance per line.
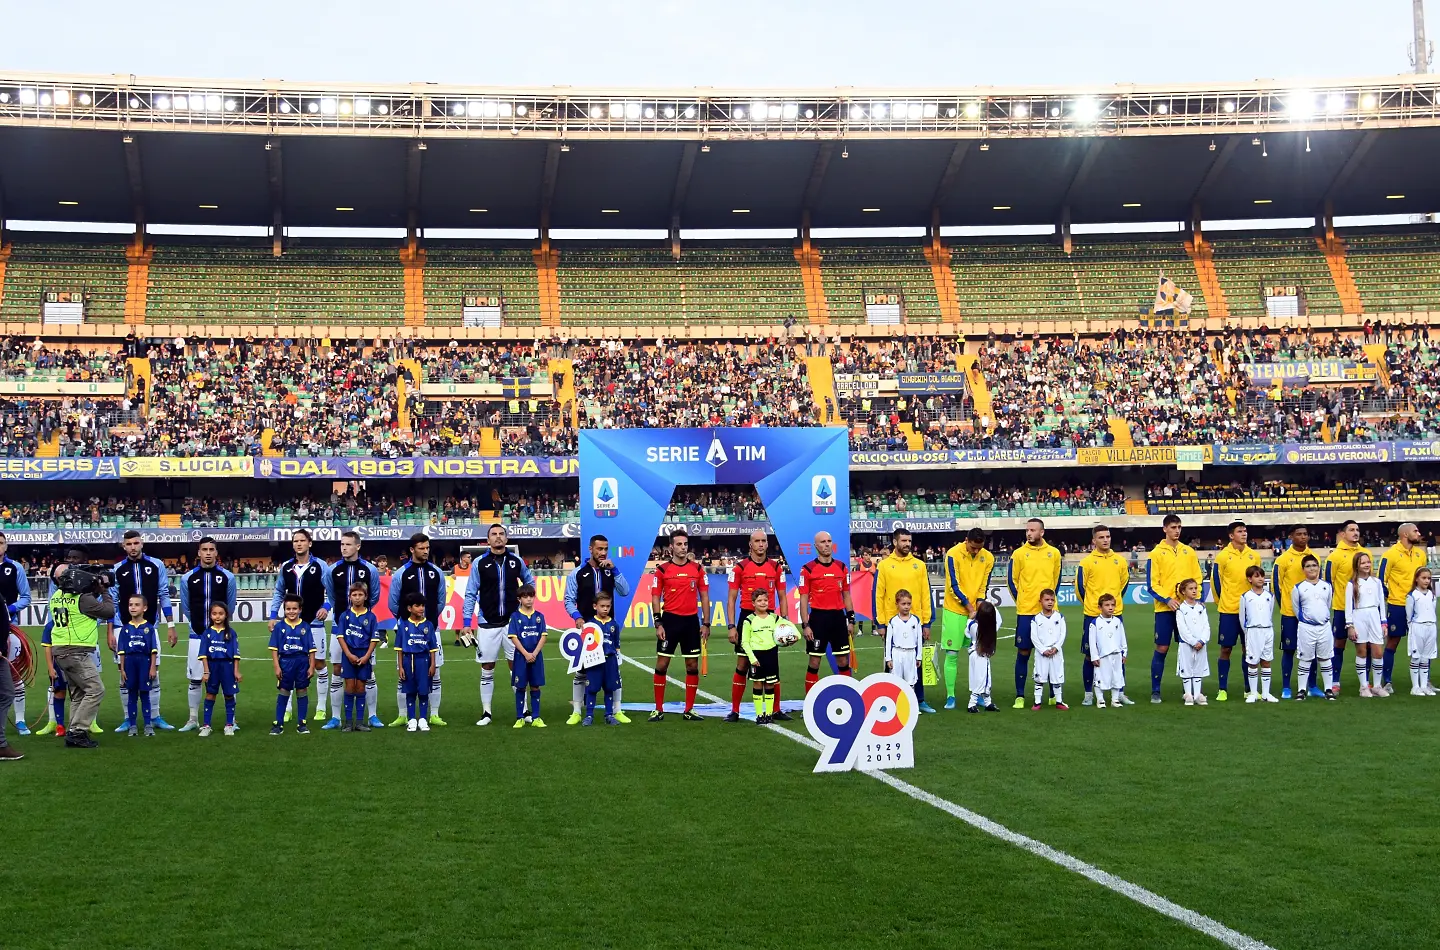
x=1314, y=643
x=1365, y=624
x=1192, y=624
x=1257, y=620
x=1108, y=650
x=1420, y=622
x=1047, y=633
x=903, y=639
x=980, y=631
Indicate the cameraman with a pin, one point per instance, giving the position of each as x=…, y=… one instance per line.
x=79, y=600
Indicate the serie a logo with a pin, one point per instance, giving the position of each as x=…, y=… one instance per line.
x=605, y=496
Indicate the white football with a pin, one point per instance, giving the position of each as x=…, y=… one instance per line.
x=785, y=633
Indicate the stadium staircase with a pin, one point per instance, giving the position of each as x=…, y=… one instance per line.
x=811, y=277
x=140, y=369
x=1333, y=247
x=562, y=379
x=1395, y=272
x=821, y=373
x=412, y=263
x=1202, y=254
x=547, y=280
x=137, y=279
x=1120, y=431
x=1376, y=354
x=937, y=255
x=914, y=441
x=979, y=389
x=267, y=439
x=410, y=370
x=489, y=443
x=1137, y=507
x=49, y=448
x=4, y=259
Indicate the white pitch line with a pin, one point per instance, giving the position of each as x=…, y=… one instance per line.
x=1140, y=895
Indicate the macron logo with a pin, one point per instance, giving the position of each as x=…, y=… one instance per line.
x=716, y=456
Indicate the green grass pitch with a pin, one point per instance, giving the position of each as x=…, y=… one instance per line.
x=1301, y=825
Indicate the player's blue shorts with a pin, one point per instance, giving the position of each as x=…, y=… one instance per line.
x=295, y=672
x=1289, y=633
x=137, y=671
x=354, y=671
x=1337, y=625
x=604, y=677
x=1231, y=632
x=528, y=675
x=58, y=683
x=222, y=678
x=417, y=673
x=1395, y=617
x=1165, y=632
x=1022, y=631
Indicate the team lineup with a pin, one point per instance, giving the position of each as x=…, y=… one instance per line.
x=1321, y=607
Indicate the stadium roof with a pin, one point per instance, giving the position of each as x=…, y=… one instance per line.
x=121, y=149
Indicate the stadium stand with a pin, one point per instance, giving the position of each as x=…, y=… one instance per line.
x=1396, y=272
x=1278, y=495
x=1117, y=278
x=454, y=270
x=99, y=270
x=1020, y=278
x=848, y=271
x=1246, y=263
x=750, y=284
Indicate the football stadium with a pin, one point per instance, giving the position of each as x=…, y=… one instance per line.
x=1102, y=418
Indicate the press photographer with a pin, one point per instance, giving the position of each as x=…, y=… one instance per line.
x=79, y=601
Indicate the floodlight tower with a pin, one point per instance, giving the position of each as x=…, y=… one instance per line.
x=1422, y=54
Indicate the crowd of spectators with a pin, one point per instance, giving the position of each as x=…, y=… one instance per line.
x=1000, y=498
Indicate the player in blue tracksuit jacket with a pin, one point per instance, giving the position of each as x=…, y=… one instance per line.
x=607, y=675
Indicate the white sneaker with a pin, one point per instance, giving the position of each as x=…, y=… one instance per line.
x=1389, y=689
x=411, y=726
x=1189, y=700
x=1126, y=700
x=190, y=725
x=484, y=720
x=1098, y=703
x=1089, y=699
x=1252, y=698
x=229, y=730
x=1429, y=690
x=1200, y=700
x=424, y=724
x=1381, y=691
x=1365, y=692
x=204, y=732
x=1267, y=698
x=1416, y=691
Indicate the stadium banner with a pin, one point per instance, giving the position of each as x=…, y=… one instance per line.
x=951, y=382
x=863, y=385
x=103, y=468
x=1141, y=455
x=424, y=466
x=1331, y=453
x=1315, y=371
x=60, y=387
x=995, y=458
x=500, y=389
x=628, y=476
x=1246, y=454
x=1416, y=451
x=215, y=466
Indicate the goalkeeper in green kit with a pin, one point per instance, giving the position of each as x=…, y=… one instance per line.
x=967, y=581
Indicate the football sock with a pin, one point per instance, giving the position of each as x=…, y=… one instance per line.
x=737, y=691
x=1039, y=693
x=195, y=693
x=589, y=703
x=1414, y=676
x=402, y=700
x=578, y=697
x=1056, y=690
x=1157, y=671
x=337, y=694
x=775, y=697
x=153, y=695
x=1022, y=666
x=1306, y=667
x=432, y=702
x=1224, y=674
x=1287, y=667
x=302, y=707
x=617, y=701
x=1337, y=661
x=1360, y=670
x=758, y=698
x=229, y=710
x=535, y=703
x=322, y=688
x=280, y=703
x=19, y=704
x=1087, y=671
x=1115, y=697
x=132, y=702
x=487, y=688
x=1265, y=680
x=1377, y=672
x=1328, y=673
x=659, y=683
x=692, y=685
x=410, y=706
x=811, y=678
x=423, y=706
x=209, y=709
x=372, y=696
x=952, y=671
x=919, y=690
x=1389, y=668
x=146, y=710
x=519, y=704
x=57, y=709
x=1251, y=676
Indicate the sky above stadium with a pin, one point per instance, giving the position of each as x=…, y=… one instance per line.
x=745, y=43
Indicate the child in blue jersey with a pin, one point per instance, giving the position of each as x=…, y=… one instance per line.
x=292, y=648
x=415, y=647
x=527, y=632
x=359, y=636
x=220, y=657
x=139, y=650
x=607, y=675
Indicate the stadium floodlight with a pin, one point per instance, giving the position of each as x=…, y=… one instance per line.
x=632, y=110
x=134, y=103
x=1162, y=108
x=1368, y=101
x=1335, y=103
x=597, y=112
x=737, y=114
x=230, y=105
x=669, y=112
x=857, y=112
x=85, y=99
x=490, y=110
x=504, y=108
x=1228, y=105
x=45, y=99
x=328, y=106
x=460, y=108
x=758, y=112
x=1087, y=109
x=161, y=103
x=362, y=106
x=649, y=112
x=383, y=108
x=774, y=111
x=972, y=109
x=1054, y=112
x=312, y=107
x=1301, y=105
x=522, y=110
x=950, y=112
x=4, y=97
x=690, y=112
x=789, y=111
x=284, y=106
x=617, y=110
x=915, y=111
x=878, y=110
x=346, y=106
x=931, y=110
x=212, y=103
x=183, y=102
x=62, y=97
x=1019, y=111
x=27, y=97
x=809, y=113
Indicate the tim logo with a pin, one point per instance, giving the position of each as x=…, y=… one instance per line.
x=627, y=551
x=822, y=494
x=606, y=497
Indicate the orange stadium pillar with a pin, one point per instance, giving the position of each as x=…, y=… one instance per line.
x=808, y=257
x=4, y=259
x=137, y=278
x=412, y=260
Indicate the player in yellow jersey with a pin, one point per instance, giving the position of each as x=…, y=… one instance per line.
x=1289, y=571
x=967, y=580
x=1101, y=572
x=1339, y=566
x=1170, y=563
x=901, y=570
x=1397, y=572
x=1034, y=567
x=1229, y=581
